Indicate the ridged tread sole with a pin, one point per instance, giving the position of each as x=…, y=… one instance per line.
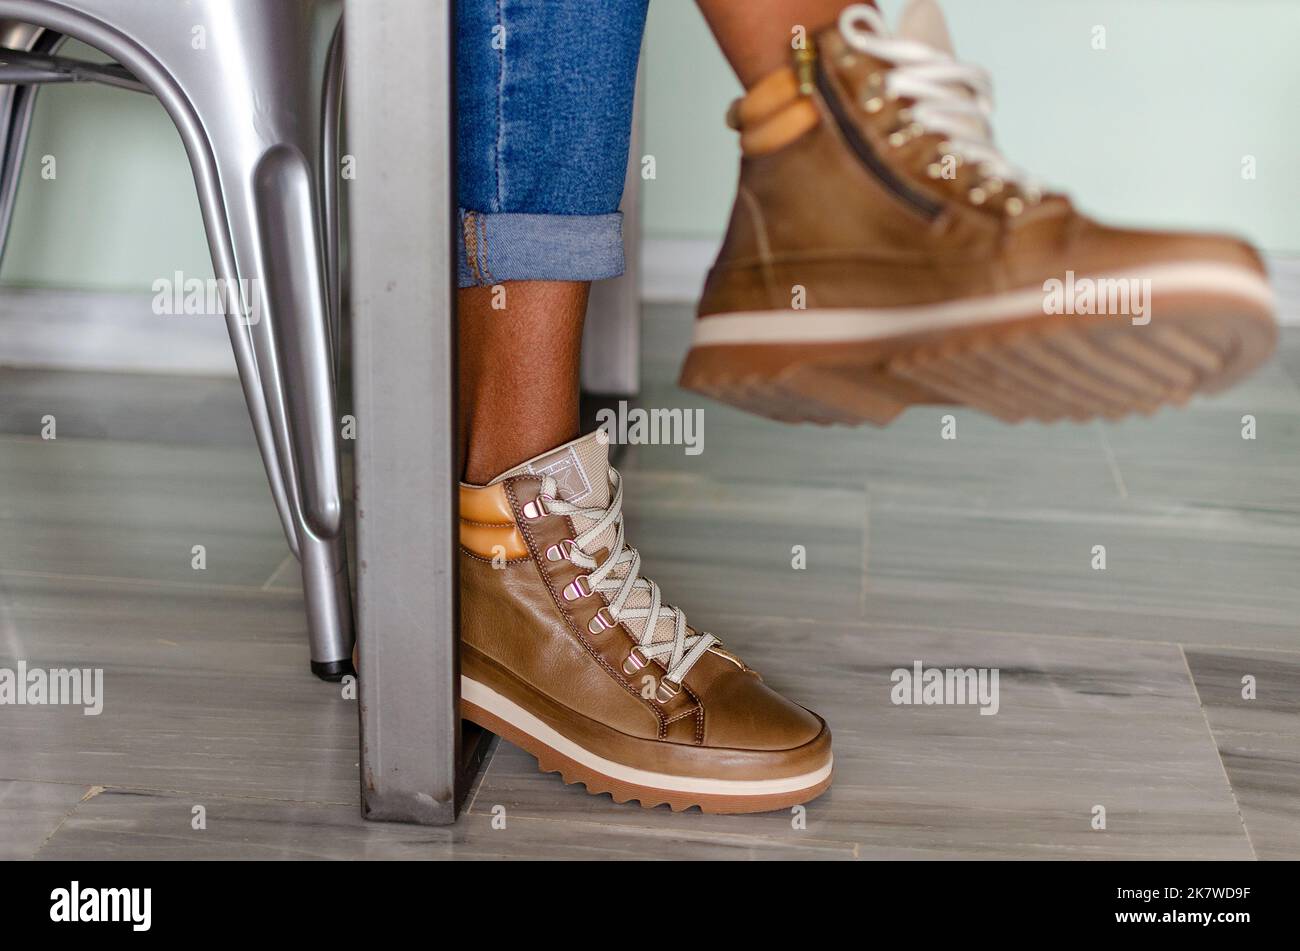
x=550, y=760
x=1045, y=369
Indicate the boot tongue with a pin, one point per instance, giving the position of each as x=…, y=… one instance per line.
x=923, y=21
x=580, y=470
x=581, y=473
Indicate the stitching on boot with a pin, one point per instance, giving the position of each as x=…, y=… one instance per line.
x=488, y=561
x=470, y=521
x=699, y=715
x=681, y=716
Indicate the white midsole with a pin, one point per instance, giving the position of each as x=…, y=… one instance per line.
x=843, y=325
x=481, y=695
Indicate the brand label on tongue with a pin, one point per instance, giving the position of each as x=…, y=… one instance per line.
x=570, y=481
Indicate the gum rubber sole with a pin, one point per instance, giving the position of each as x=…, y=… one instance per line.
x=554, y=754
x=850, y=367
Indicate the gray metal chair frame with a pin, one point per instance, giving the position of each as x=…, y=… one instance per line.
x=257, y=108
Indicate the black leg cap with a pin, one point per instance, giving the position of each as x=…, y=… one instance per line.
x=332, y=671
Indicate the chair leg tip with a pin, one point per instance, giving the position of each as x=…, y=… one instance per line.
x=332, y=671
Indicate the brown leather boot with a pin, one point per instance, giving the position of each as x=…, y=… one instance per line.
x=568, y=653
x=882, y=253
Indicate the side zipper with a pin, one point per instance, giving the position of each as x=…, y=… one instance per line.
x=926, y=206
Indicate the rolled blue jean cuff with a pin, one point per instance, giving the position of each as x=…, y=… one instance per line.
x=497, y=247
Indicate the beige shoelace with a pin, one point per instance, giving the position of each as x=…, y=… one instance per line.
x=677, y=655
x=950, y=98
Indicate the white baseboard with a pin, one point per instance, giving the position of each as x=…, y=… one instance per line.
x=1285, y=272
x=106, y=331
x=673, y=272
x=93, y=330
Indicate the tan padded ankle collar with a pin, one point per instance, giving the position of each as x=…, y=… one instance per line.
x=772, y=114
x=487, y=523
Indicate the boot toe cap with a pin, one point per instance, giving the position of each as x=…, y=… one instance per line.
x=743, y=713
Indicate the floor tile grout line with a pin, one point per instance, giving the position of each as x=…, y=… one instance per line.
x=927, y=629
x=146, y=582
x=90, y=793
x=1111, y=461
x=864, y=581
x=711, y=835
x=28, y=439
x=1218, y=755
x=726, y=838
x=173, y=791
x=266, y=585
x=481, y=779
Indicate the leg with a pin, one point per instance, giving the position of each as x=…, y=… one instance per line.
x=261, y=196
x=566, y=650
x=498, y=429
x=404, y=365
x=537, y=226
x=755, y=36
x=279, y=211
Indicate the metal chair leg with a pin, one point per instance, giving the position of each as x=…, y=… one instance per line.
x=262, y=188
x=414, y=766
x=16, y=105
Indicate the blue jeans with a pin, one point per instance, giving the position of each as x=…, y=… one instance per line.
x=544, y=95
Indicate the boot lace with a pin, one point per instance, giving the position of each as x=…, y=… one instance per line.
x=677, y=655
x=950, y=98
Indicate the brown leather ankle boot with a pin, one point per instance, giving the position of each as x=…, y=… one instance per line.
x=882, y=252
x=568, y=653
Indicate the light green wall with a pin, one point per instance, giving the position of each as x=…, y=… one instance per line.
x=1152, y=129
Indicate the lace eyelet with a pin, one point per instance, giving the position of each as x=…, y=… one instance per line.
x=537, y=508
x=1014, y=207
x=577, y=588
x=666, y=690
x=977, y=196
x=602, y=622
x=637, y=661
x=561, y=550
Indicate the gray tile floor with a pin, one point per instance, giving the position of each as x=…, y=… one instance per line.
x=1161, y=694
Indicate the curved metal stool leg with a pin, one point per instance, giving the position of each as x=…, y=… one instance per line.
x=275, y=195
x=249, y=99
x=16, y=105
